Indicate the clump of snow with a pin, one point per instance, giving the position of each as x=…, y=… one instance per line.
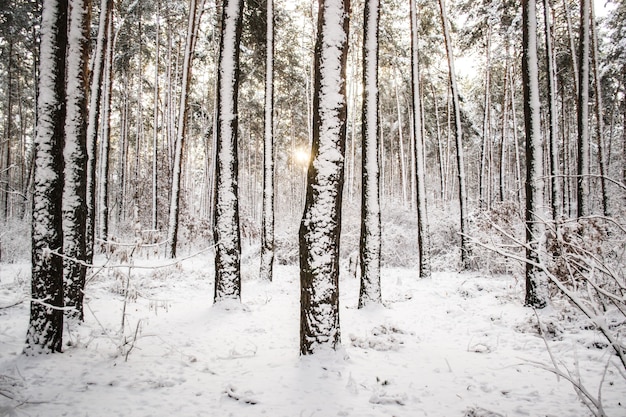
x=453, y=345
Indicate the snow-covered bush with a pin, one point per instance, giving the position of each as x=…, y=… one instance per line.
x=15, y=241
x=496, y=227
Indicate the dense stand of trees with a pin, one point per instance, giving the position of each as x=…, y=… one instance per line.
x=443, y=127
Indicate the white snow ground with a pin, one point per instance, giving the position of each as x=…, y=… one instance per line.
x=453, y=345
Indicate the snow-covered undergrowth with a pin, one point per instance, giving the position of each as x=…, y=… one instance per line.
x=453, y=345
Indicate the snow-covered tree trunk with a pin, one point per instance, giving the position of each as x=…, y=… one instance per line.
x=226, y=232
x=45, y=330
x=5, y=140
x=420, y=176
x=484, y=197
x=458, y=134
x=555, y=180
x=155, y=127
x=582, y=167
x=370, y=243
x=534, y=157
x=267, y=228
x=93, y=124
x=172, y=231
x=75, y=156
x=103, y=192
x=320, y=227
x=599, y=113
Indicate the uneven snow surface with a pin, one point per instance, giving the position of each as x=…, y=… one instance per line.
x=453, y=345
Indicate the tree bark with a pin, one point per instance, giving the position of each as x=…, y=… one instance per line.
x=458, y=129
x=370, y=239
x=555, y=172
x=75, y=156
x=103, y=194
x=320, y=228
x=423, y=244
x=582, y=166
x=599, y=114
x=534, y=156
x=181, y=132
x=45, y=330
x=267, y=227
x=93, y=123
x=226, y=232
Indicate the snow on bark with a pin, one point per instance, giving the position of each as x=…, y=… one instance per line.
x=458, y=130
x=103, y=192
x=172, y=232
x=534, y=157
x=420, y=176
x=553, y=124
x=45, y=330
x=321, y=222
x=582, y=167
x=226, y=231
x=370, y=244
x=267, y=227
x=75, y=156
x=95, y=94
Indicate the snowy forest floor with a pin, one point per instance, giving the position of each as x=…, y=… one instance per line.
x=453, y=345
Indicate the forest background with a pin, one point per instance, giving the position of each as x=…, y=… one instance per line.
x=159, y=86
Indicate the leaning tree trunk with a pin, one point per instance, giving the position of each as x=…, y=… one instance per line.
x=45, y=330
x=172, y=232
x=458, y=129
x=321, y=222
x=370, y=241
x=423, y=242
x=75, y=156
x=582, y=167
x=267, y=229
x=226, y=233
x=534, y=156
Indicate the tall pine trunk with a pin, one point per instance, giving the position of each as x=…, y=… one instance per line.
x=103, y=192
x=555, y=180
x=370, y=240
x=423, y=244
x=93, y=124
x=320, y=227
x=45, y=329
x=267, y=229
x=172, y=232
x=534, y=156
x=226, y=232
x=75, y=156
x=458, y=134
x=599, y=113
x=582, y=167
